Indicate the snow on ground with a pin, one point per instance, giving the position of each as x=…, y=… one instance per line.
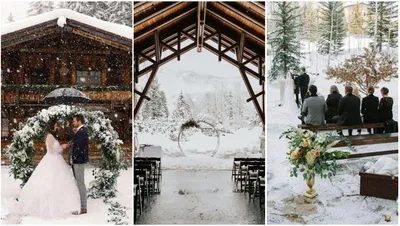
x=338, y=201
x=199, y=147
x=97, y=210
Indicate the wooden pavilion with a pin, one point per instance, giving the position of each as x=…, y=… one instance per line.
x=63, y=48
x=234, y=31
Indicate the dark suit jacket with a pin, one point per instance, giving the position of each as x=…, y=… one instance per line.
x=332, y=102
x=385, y=109
x=369, y=109
x=304, y=80
x=80, y=146
x=349, y=111
x=296, y=83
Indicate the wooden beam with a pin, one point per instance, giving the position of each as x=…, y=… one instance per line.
x=219, y=46
x=255, y=96
x=251, y=60
x=230, y=48
x=189, y=36
x=241, y=47
x=157, y=45
x=168, y=46
x=141, y=94
x=179, y=46
x=166, y=59
x=233, y=61
x=147, y=58
x=145, y=90
x=201, y=20
x=136, y=67
x=251, y=92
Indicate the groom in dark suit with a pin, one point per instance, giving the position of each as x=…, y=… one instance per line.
x=80, y=156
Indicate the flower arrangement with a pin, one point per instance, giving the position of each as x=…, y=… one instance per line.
x=310, y=153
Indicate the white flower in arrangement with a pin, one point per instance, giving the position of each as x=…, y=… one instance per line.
x=96, y=127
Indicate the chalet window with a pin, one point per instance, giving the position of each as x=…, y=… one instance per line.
x=88, y=78
x=39, y=76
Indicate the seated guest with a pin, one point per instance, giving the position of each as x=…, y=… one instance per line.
x=385, y=107
x=369, y=108
x=332, y=102
x=349, y=110
x=314, y=108
x=356, y=93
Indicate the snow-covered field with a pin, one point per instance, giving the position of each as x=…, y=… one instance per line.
x=97, y=210
x=338, y=201
x=199, y=147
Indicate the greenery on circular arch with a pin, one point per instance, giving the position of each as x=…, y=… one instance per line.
x=20, y=152
x=195, y=124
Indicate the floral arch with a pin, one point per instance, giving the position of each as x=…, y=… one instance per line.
x=20, y=152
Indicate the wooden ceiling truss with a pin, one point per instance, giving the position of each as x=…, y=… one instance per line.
x=222, y=28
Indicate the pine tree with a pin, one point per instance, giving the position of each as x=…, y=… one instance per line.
x=39, y=7
x=383, y=16
x=10, y=18
x=309, y=28
x=182, y=111
x=284, y=39
x=120, y=12
x=333, y=30
x=157, y=107
x=94, y=9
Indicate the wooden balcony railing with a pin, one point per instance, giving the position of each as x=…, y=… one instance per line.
x=35, y=94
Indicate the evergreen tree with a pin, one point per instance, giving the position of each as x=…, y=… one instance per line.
x=120, y=12
x=284, y=39
x=309, y=28
x=333, y=29
x=39, y=7
x=383, y=16
x=10, y=18
x=182, y=112
x=157, y=107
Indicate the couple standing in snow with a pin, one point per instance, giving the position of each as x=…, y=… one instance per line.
x=52, y=191
x=293, y=85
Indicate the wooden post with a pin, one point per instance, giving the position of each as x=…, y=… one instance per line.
x=104, y=75
x=73, y=74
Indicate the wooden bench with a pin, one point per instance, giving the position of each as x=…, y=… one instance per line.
x=157, y=159
x=332, y=126
x=370, y=139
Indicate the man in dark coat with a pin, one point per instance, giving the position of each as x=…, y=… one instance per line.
x=304, y=80
x=349, y=110
x=296, y=90
x=80, y=156
x=369, y=108
x=332, y=102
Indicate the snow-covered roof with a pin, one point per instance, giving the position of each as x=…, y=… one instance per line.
x=61, y=14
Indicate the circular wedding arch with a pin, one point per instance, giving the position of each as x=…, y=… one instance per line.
x=192, y=124
x=20, y=152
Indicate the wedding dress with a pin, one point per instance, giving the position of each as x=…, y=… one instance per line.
x=290, y=102
x=51, y=191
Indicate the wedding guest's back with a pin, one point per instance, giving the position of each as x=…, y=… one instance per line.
x=314, y=108
x=385, y=106
x=349, y=109
x=332, y=103
x=369, y=107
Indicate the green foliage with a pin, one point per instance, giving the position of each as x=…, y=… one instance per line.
x=284, y=39
x=332, y=27
x=29, y=87
x=309, y=153
x=20, y=151
x=386, y=18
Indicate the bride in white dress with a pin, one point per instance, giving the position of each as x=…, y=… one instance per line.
x=289, y=101
x=51, y=191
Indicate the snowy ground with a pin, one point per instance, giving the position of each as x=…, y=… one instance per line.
x=198, y=149
x=338, y=201
x=97, y=210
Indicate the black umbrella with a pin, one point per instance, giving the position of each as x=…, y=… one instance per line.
x=67, y=96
